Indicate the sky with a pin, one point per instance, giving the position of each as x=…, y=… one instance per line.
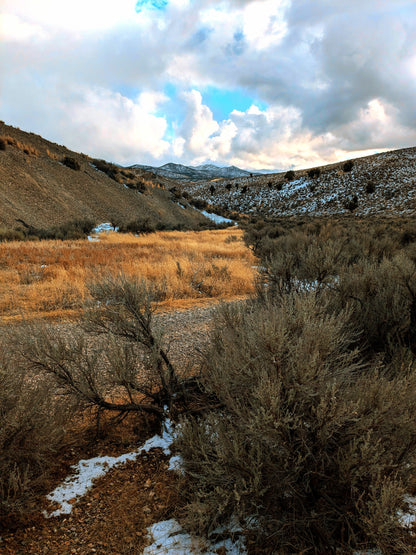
x=260, y=84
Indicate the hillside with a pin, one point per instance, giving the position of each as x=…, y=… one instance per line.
x=383, y=184
x=38, y=189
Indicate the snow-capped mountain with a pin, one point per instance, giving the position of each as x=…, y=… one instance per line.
x=202, y=172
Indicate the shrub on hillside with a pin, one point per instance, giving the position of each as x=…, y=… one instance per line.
x=145, y=225
x=109, y=169
x=11, y=235
x=198, y=203
x=351, y=203
x=138, y=185
x=309, y=446
x=176, y=193
x=76, y=229
x=70, y=162
x=3, y=144
x=314, y=173
x=370, y=187
x=347, y=167
x=290, y=175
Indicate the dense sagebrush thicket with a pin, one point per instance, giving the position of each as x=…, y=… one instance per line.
x=315, y=439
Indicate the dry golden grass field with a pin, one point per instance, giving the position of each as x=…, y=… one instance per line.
x=50, y=278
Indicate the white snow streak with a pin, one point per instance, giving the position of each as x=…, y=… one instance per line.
x=86, y=471
x=216, y=218
x=169, y=538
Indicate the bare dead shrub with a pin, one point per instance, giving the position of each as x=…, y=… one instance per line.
x=311, y=446
x=128, y=370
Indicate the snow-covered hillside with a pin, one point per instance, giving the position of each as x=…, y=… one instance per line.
x=380, y=184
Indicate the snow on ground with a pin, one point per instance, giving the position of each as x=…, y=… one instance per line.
x=409, y=519
x=170, y=539
x=86, y=471
x=216, y=218
x=168, y=536
x=101, y=228
x=391, y=177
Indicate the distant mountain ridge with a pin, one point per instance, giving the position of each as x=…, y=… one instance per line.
x=202, y=172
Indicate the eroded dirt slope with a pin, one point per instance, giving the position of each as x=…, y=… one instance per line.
x=36, y=187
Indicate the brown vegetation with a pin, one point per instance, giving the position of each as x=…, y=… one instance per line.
x=24, y=147
x=31, y=430
x=315, y=441
x=49, y=278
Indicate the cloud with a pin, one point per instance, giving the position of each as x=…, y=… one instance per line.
x=326, y=78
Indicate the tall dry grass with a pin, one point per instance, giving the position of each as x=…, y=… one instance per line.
x=49, y=278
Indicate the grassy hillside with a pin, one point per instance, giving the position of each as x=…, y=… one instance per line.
x=37, y=187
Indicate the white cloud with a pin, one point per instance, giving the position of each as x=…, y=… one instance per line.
x=119, y=128
x=337, y=77
x=76, y=16
x=14, y=29
x=264, y=23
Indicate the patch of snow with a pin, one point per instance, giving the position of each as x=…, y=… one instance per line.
x=104, y=228
x=101, y=228
x=169, y=538
x=175, y=463
x=86, y=471
x=216, y=218
x=408, y=520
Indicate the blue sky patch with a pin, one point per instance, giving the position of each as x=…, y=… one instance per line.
x=128, y=91
x=151, y=4
x=223, y=101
